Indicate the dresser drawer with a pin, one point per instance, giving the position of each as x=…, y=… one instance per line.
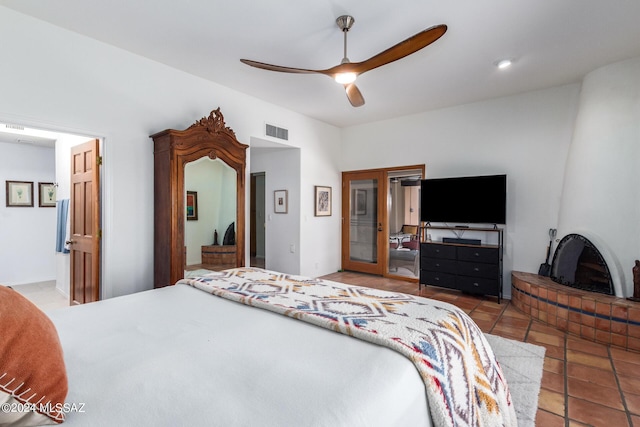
x=478, y=285
x=461, y=264
x=434, y=250
x=477, y=269
x=441, y=265
x=486, y=255
x=437, y=279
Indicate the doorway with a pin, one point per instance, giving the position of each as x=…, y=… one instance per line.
x=403, y=209
x=20, y=142
x=257, y=221
x=380, y=233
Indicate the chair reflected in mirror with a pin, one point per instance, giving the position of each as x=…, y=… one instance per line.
x=404, y=249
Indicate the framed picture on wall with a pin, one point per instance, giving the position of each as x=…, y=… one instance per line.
x=46, y=195
x=19, y=194
x=192, y=205
x=280, y=201
x=323, y=201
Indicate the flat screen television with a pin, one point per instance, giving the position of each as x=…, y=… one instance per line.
x=471, y=199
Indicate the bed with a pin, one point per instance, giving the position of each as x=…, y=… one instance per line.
x=242, y=356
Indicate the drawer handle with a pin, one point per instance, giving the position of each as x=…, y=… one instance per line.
x=476, y=284
x=438, y=265
x=476, y=254
x=437, y=279
x=476, y=269
x=437, y=251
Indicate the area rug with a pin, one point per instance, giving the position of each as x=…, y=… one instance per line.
x=522, y=365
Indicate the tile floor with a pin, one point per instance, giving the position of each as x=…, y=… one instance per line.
x=583, y=383
x=43, y=294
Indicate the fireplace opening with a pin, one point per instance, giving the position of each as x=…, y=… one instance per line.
x=579, y=264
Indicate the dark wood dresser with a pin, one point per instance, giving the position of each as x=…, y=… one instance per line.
x=466, y=267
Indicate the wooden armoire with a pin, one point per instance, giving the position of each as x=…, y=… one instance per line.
x=173, y=149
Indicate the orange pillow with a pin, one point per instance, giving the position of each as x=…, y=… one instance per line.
x=32, y=371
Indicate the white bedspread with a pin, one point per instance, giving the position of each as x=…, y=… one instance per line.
x=180, y=357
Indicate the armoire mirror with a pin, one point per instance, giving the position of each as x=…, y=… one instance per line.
x=210, y=214
x=207, y=139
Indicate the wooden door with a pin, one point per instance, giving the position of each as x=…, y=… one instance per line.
x=364, y=221
x=85, y=235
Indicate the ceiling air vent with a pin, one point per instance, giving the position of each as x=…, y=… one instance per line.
x=15, y=127
x=277, y=132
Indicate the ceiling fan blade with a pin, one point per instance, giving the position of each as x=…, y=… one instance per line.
x=355, y=96
x=278, y=67
x=400, y=50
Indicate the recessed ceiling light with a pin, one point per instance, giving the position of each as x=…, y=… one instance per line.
x=503, y=63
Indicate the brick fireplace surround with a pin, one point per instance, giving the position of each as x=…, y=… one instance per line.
x=596, y=317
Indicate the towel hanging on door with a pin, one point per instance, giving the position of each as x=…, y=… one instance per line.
x=62, y=225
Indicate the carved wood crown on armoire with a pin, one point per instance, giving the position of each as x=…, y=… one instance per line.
x=173, y=149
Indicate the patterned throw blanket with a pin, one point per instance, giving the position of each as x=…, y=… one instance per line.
x=464, y=383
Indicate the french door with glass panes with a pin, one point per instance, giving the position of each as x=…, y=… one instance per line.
x=363, y=221
x=369, y=215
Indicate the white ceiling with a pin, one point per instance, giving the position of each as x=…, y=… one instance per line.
x=553, y=42
x=20, y=135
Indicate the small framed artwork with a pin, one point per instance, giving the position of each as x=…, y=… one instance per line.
x=46, y=195
x=280, y=201
x=323, y=201
x=360, y=202
x=19, y=194
x=192, y=205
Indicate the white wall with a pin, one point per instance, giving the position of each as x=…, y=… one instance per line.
x=27, y=234
x=320, y=244
x=95, y=89
x=601, y=196
x=282, y=231
x=526, y=136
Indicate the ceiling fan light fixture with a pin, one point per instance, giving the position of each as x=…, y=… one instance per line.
x=504, y=63
x=345, y=78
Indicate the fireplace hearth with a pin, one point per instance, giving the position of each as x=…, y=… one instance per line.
x=578, y=263
x=604, y=319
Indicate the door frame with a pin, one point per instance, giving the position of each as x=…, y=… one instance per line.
x=255, y=225
x=105, y=218
x=382, y=266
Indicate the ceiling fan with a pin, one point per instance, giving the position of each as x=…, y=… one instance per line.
x=346, y=72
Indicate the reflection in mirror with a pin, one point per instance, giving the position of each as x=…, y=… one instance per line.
x=214, y=206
